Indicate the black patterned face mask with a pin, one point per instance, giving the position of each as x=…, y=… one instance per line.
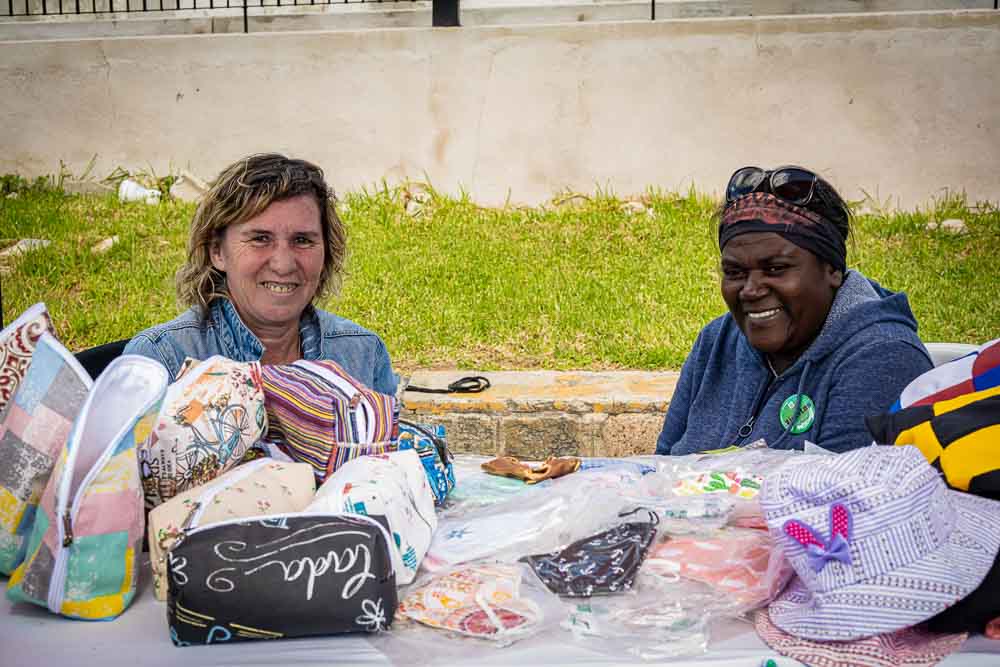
x=601, y=564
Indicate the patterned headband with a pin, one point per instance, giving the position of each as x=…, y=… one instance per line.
x=763, y=212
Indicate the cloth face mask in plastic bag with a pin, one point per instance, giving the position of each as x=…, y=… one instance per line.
x=600, y=564
x=482, y=601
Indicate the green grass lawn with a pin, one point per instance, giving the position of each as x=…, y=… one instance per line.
x=590, y=283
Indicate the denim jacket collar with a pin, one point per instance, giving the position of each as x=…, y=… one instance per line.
x=243, y=345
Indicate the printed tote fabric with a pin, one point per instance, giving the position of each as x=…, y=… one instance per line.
x=212, y=414
x=17, y=343
x=84, y=547
x=321, y=415
x=430, y=444
x=33, y=429
x=253, y=489
x=393, y=486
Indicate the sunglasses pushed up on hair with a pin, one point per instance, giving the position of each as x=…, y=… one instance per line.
x=792, y=184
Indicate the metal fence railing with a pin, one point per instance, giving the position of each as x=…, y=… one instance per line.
x=445, y=12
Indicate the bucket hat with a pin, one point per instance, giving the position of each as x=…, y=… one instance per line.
x=877, y=541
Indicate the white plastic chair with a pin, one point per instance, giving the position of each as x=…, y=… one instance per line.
x=942, y=353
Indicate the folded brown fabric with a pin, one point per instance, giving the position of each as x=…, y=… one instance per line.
x=509, y=466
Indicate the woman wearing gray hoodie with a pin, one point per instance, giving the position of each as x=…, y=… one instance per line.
x=809, y=348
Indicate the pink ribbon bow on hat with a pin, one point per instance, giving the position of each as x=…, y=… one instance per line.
x=818, y=551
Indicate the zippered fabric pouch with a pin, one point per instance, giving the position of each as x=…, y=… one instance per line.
x=33, y=430
x=280, y=576
x=431, y=445
x=257, y=488
x=17, y=344
x=322, y=416
x=391, y=485
x=84, y=547
x=212, y=414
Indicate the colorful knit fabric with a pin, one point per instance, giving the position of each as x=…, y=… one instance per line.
x=959, y=436
x=909, y=647
x=321, y=415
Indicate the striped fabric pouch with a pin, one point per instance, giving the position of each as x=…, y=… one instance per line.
x=322, y=416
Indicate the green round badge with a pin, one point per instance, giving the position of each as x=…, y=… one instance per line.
x=807, y=413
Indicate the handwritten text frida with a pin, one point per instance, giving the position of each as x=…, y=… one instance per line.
x=283, y=554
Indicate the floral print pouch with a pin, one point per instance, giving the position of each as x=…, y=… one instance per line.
x=212, y=415
x=253, y=489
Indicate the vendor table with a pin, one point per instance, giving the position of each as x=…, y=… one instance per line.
x=32, y=637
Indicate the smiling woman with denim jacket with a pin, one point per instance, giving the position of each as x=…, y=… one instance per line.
x=808, y=348
x=265, y=242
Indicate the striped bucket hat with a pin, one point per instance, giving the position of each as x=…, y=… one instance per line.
x=877, y=541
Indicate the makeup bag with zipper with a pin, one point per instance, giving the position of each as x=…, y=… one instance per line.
x=212, y=414
x=430, y=444
x=321, y=415
x=33, y=430
x=280, y=576
x=391, y=485
x=260, y=487
x=85, y=544
x=17, y=345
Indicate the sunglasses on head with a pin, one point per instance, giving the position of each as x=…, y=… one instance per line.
x=793, y=184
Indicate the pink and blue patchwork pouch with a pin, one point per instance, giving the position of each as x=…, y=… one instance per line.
x=33, y=428
x=82, y=557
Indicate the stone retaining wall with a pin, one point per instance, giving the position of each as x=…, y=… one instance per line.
x=534, y=414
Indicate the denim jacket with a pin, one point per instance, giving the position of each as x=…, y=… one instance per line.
x=324, y=336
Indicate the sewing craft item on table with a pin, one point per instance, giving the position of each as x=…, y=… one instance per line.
x=85, y=545
x=212, y=414
x=321, y=415
x=909, y=647
x=392, y=486
x=17, y=345
x=280, y=576
x=431, y=445
x=736, y=562
x=260, y=487
x=33, y=430
x=877, y=541
x=509, y=466
x=974, y=612
x=958, y=436
x=484, y=601
x=602, y=564
x=977, y=371
x=739, y=483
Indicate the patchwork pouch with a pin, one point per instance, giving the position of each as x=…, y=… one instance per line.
x=391, y=485
x=212, y=414
x=432, y=447
x=600, y=564
x=33, y=430
x=321, y=415
x=17, y=343
x=263, y=486
x=294, y=575
x=84, y=547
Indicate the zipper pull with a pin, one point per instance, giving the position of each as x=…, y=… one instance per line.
x=747, y=428
x=190, y=517
x=67, y=530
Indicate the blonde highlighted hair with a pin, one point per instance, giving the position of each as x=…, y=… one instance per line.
x=242, y=191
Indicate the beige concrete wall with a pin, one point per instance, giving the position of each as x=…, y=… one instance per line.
x=901, y=105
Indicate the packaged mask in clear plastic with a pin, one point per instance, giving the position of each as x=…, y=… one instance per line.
x=601, y=564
